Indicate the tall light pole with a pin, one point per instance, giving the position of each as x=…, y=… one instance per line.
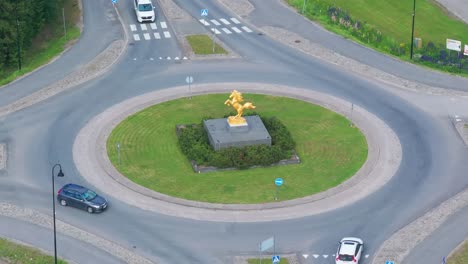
x=412, y=29
x=60, y=174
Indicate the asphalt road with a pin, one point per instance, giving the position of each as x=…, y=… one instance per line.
x=433, y=168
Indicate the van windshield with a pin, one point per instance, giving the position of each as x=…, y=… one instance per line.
x=145, y=7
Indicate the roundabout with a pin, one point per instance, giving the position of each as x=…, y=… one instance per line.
x=90, y=155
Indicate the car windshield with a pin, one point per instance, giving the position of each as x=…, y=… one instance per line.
x=89, y=195
x=145, y=7
x=346, y=257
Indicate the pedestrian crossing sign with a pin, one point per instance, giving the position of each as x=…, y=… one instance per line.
x=275, y=259
x=204, y=12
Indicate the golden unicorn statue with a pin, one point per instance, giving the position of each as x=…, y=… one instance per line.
x=235, y=100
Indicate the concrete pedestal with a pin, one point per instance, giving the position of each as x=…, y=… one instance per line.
x=222, y=135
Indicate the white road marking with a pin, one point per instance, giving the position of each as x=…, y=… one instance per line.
x=224, y=21
x=184, y=58
x=133, y=27
x=134, y=59
x=216, y=31
x=136, y=37
x=305, y=256
x=151, y=59
x=325, y=256
x=167, y=34
x=156, y=35
x=163, y=24
x=176, y=58
x=147, y=36
x=316, y=256
x=168, y=58
x=236, y=30
x=366, y=256
x=235, y=20
x=204, y=22
x=143, y=27
x=153, y=26
x=227, y=31
x=246, y=29
x=215, y=22
x=160, y=58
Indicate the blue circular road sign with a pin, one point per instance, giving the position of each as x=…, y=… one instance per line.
x=279, y=181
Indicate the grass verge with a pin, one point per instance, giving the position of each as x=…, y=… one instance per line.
x=19, y=254
x=330, y=150
x=203, y=45
x=48, y=44
x=460, y=256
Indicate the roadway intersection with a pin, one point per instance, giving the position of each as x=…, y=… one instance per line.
x=433, y=167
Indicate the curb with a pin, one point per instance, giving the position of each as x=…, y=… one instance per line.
x=90, y=156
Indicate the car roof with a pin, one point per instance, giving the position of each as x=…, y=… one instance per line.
x=144, y=2
x=75, y=187
x=348, y=247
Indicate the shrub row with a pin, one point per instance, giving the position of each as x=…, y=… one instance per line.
x=194, y=143
x=431, y=54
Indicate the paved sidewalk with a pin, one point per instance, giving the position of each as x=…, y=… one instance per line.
x=459, y=8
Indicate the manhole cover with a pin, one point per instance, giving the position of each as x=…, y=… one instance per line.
x=297, y=41
x=131, y=43
x=260, y=33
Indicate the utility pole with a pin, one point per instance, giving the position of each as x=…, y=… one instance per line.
x=18, y=37
x=412, y=29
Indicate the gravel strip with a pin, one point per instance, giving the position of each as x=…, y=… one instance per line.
x=40, y=219
x=400, y=244
x=172, y=11
x=90, y=156
x=240, y=7
x=266, y=258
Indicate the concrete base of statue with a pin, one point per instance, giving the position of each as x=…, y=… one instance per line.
x=223, y=134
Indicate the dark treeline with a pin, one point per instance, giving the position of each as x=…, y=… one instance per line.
x=26, y=16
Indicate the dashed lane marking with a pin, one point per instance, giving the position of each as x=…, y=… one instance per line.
x=143, y=27
x=167, y=34
x=224, y=21
x=163, y=25
x=215, y=22
x=246, y=29
x=133, y=27
x=136, y=37
x=153, y=26
x=236, y=30
x=157, y=35
x=227, y=31
x=147, y=36
x=235, y=20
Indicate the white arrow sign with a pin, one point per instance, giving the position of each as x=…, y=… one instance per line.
x=305, y=256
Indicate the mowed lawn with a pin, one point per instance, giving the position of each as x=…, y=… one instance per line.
x=331, y=151
x=394, y=18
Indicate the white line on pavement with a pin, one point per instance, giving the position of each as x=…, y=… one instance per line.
x=153, y=26
x=156, y=35
x=215, y=22
x=215, y=31
x=167, y=34
x=133, y=27
x=147, y=36
x=136, y=37
x=227, y=31
x=235, y=20
x=143, y=27
x=224, y=21
x=204, y=22
x=163, y=24
x=246, y=29
x=236, y=30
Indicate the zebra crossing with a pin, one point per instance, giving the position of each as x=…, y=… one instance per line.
x=226, y=26
x=151, y=31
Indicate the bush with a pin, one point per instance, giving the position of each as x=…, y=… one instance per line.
x=194, y=143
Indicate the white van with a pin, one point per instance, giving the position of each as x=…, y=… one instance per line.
x=144, y=10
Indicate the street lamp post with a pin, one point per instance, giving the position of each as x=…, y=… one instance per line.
x=60, y=174
x=412, y=29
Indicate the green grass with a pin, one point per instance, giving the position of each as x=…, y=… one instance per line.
x=266, y=261
x=330, y=150
x=460, y=256
x=203, y=45
x=49, y=43
x=19, y=254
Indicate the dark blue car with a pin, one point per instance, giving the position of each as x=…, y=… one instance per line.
x=82, y=198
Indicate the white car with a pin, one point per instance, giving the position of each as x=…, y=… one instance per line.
x=144, y=10
x=349, y=250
